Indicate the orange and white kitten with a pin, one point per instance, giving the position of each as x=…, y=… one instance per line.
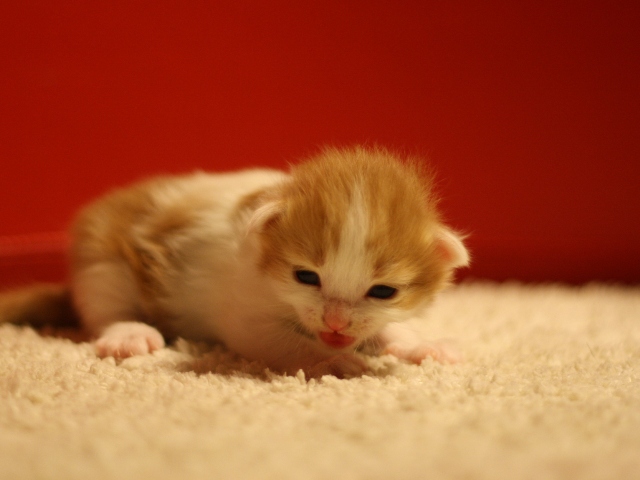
x=299, y=270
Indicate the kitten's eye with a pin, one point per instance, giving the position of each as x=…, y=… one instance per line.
x=383, y=292
x=307, y=277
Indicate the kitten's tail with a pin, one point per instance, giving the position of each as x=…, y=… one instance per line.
x=39, y=305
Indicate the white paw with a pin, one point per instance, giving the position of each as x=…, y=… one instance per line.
x=416, y=353
x=126, y=339
x=341, y=366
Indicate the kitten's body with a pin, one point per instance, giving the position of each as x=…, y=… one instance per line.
x=218, y=257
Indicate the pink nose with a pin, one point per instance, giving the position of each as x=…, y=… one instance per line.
x=336, y=320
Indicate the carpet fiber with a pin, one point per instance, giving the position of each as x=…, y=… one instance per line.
x=550, y=389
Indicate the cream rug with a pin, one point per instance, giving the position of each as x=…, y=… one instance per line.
x=550, y=389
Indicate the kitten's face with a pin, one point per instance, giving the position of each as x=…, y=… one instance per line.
x=342, y=307
x=353, y=244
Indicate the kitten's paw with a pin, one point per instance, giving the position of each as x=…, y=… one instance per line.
x=341, y=366
x=439, y=351
x=126, y=339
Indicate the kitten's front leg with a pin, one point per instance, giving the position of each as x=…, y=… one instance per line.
x=126, y=339
x=403, y=342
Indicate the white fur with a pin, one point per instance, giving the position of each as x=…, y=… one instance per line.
x=401, y=340
x=124, y=339
x=347, y=271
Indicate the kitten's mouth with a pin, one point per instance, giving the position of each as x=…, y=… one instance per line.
x=336, y=340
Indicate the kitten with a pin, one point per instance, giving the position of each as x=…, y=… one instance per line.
x=298, y=270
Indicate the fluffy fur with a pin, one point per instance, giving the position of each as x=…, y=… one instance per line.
x=217, y=257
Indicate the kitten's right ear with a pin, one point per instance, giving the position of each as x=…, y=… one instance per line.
x=451, y=247
x=264, y=215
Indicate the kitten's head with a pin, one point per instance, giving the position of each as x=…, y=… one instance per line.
x=353, y=241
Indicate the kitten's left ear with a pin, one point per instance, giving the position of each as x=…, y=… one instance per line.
x=451, y=248
x=264, y=215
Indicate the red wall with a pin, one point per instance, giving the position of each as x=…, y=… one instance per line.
x=530, y=112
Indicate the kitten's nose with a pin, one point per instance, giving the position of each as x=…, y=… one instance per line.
x=335, y=319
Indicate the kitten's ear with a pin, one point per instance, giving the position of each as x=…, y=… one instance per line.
x=451, y=248
x=265, y=214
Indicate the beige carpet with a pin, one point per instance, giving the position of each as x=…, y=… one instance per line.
x=550, y=390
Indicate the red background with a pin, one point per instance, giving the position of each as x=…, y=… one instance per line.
x=529, y=111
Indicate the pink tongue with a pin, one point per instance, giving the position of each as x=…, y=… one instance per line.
x=336, y=340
